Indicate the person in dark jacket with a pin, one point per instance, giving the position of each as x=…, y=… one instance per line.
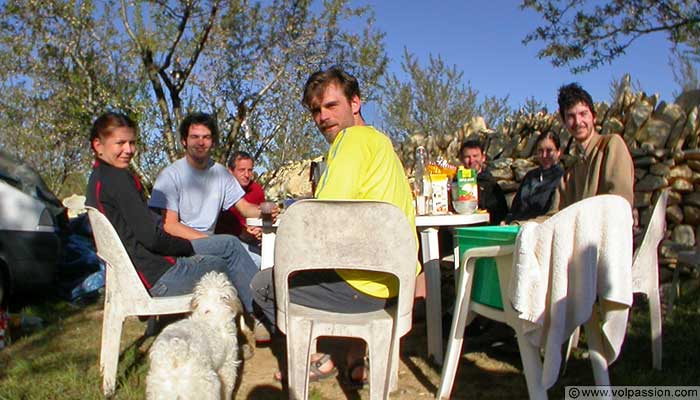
x=167, y=265
x=534, y=196
x=491, y=197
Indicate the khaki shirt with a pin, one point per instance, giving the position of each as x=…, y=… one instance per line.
x=604, y=167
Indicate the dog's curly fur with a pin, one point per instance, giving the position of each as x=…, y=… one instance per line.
x=197, y=357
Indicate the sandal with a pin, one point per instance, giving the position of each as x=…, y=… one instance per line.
x=315, y=373
x=357, y=384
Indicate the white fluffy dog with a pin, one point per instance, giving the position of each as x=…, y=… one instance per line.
x=197, y=357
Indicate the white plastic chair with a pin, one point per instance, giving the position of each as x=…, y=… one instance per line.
x=645, y=277
x=125, y=295
x=465, y=310
x=362, y=235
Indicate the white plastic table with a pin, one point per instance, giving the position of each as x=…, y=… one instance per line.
x=428, y=226
x=267, y=245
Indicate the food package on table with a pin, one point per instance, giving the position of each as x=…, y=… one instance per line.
x=442, y=167
x=439, y=185
x=467, y=188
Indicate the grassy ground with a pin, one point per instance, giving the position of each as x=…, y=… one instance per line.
x=59, y=361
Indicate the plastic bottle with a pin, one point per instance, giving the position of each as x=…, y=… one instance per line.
x=421, y=182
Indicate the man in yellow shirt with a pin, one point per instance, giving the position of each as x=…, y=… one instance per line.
x=362, y=165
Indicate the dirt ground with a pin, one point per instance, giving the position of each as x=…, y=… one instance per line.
x=484, y=372
x=481, y=375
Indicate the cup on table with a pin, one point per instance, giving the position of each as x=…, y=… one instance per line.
x=421, y=208
x=266, y=208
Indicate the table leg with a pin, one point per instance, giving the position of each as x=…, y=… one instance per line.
x=430, y=250
x=267, y=249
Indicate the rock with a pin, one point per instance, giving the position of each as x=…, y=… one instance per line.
x=668, y=249
x=523, y=163
x=683, y=235
x=291, y=181
x=639, y=173
x=650, y=183
x=640, y=113
x=644, y=216
x=691, y=215
x=692, y=199
x=638, y=152
x=674, y=197
x=688, y=99
x=678, y=120
x=678, y=156
x=694, y=165
x=655, y=133
x=670, y=113
x=612, y=125
x=642, y=199
x=681, y=171
x=658, y=153
x=682, y=185
x=643, y=162
x=502, y=173
x=659, y=169
x=501, y=163
x=674, y=214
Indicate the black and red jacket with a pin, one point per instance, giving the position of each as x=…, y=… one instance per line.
x=119, y=196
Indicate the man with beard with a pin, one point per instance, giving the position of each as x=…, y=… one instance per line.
x=191, y=192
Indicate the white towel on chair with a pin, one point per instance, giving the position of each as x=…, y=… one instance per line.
x=562, y=266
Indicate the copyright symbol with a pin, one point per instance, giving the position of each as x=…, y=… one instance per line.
x=574, y=393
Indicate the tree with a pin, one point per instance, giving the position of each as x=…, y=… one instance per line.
x=433, y=101
x=243, y=60
x=686, y=72
x=584, y=36
x=58, y=69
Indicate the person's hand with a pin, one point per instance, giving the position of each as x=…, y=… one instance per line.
x=254, y=231
x=275, y=213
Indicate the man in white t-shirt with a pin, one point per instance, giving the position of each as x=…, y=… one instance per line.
x=191, y=192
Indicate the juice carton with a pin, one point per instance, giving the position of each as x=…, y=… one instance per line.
x=439, y=185
x=467, y=188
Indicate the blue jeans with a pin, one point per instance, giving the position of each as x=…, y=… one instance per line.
x=254, y=253
x=222, y=253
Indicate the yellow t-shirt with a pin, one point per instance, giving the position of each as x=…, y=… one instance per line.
x=362, y=165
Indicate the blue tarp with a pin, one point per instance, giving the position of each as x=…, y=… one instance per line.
x=81, y=273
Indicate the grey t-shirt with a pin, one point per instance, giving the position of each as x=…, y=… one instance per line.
x=196, y=195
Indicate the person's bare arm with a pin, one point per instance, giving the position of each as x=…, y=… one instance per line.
x=172, y=225
x=248, y=210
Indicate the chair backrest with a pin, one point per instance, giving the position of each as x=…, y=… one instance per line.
x=345, y=234
x=646, y=256
x=121, y=277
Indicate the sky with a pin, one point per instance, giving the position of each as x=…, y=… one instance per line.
x=484, y=40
